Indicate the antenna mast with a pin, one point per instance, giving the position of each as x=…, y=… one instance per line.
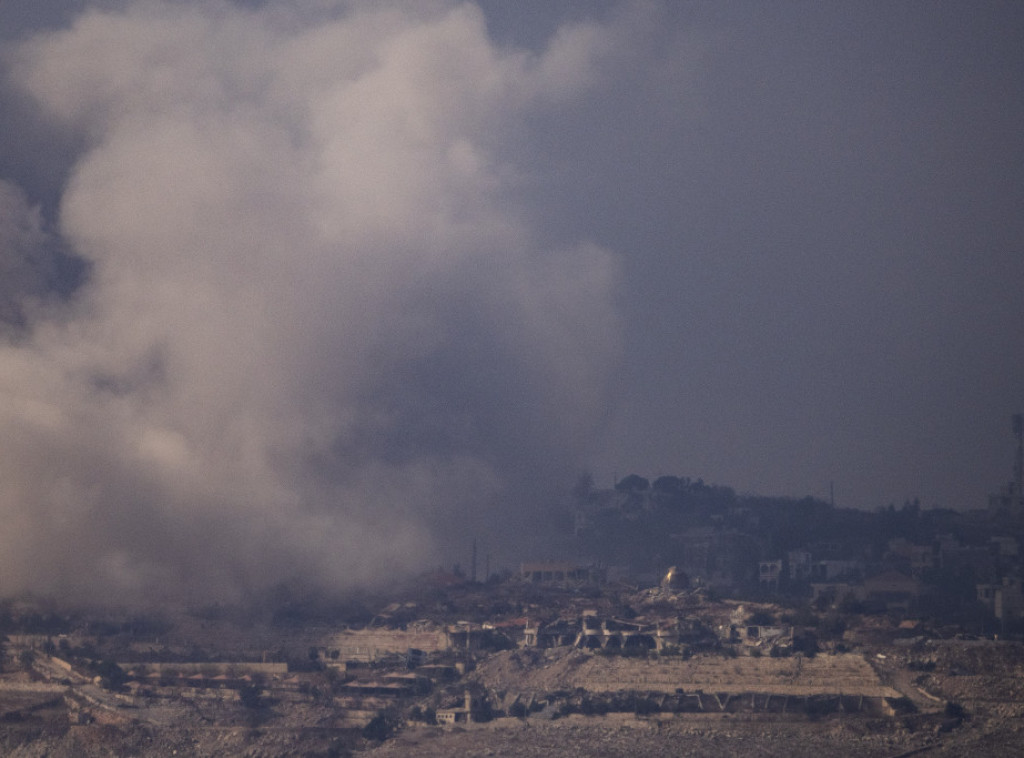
x=1018, y=463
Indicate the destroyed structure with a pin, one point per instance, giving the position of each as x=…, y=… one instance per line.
x=679, y=598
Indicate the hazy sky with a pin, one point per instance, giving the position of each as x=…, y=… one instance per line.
x=298, y=288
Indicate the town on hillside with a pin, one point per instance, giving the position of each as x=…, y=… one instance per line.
x=681, y=616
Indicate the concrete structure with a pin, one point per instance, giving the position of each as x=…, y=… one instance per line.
x=799, y=565
x=553, y=634
x=615, y=634
x=387, y=688
x=513, y=630
x=1005, y=599
x=916, y=558
x=1010, y=498
x=716, y=557
x=758, y=635
x=769, y=573
x=224, y=668
x=560, y=573
x=832, y=569
x=833, y=592
x=369, y=645
x=894, y=590
x=468, y=637
x=465, y=714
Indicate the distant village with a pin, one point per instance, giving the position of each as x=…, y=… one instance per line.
x=952, y=568
x=680, y=600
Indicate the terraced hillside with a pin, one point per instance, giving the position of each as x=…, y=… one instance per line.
x=841, y=674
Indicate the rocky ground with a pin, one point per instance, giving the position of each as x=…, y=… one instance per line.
x=94, y=741
x=593, y=737
x=964, y=697
x=625, y=736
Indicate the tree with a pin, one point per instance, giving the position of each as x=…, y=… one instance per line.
x=632, y=483
x=249, y=695
x=669, y=484
x=832, y=625
x=850, y=603
x=112, y=677
x=379, y=728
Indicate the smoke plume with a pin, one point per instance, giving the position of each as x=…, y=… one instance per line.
x=319, y=337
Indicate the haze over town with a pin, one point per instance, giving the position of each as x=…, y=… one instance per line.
x=298, y=290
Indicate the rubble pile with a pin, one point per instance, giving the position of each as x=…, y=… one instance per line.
x=978, y=673
x=526, y=670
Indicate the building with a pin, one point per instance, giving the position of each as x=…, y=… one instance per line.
x=467, y=713
x=369, y=645
x=769, y=573
x=917, y=558
x=892, y=589
x=562, y=574
x=1005, y=599
x=799, y=565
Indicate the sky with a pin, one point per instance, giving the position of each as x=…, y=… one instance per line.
x=300, y=290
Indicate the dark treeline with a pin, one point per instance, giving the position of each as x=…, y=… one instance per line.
x=753, y=545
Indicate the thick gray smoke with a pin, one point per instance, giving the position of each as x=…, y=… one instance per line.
x=318, y=336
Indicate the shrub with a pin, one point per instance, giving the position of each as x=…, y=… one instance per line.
x=833, y=625
x=249, y=695
x=378, y=729
x=954, y=710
